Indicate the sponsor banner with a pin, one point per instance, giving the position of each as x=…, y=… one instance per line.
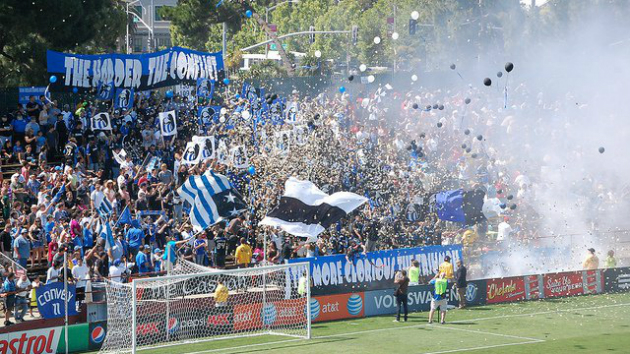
x=534, y=287
x=103, y=73
x=26, y=92
x=383, y=302
x=51, y=300
x=337, y=307
x=198, y=325
x=563, y=284
x=617, y=279
x=374, y=271
x=592, y=281
x=475, y=292
x=37, y=341
x=275, y=314
x=97, y=332
x=505, y=290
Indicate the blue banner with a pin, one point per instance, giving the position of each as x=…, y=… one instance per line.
x=51, y=300
x=375, y=270
x=26, y=92
x=103, y=73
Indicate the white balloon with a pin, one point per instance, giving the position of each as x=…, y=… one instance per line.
x=223, y=111
x=362, y=67
x=371, y=78
x=414, y=77
x=377, y=40
x=222, y=119
x=245, y=114
x=318, y=54
x=395, y=35
x=415, y=15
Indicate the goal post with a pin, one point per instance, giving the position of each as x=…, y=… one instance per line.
x=187, y=308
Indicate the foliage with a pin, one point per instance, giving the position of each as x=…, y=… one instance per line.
x=29, y=28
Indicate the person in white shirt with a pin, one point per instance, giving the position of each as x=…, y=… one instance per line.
x=21, y=300
x=52, y=275
x=116, y=271
x=504, y=230
x=80, y=274
x=97, y=195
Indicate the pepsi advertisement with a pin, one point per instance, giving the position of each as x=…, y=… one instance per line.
x=106, y=74
x=374, y=270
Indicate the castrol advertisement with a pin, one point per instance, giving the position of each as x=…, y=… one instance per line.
x=40, y=341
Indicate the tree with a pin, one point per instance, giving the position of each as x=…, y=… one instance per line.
x=29, y=28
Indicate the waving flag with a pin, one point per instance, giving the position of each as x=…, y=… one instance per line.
x=101, y=121
x=192, y=153
x=212, y=198
x=168, y=123
x=460, y=206
x=306, y=211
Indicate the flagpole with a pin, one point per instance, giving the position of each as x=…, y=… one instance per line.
x=65, y=300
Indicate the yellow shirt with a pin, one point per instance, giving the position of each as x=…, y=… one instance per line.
x=221, y=294
x=243, y=254
x=591, y=262
x=447, y=269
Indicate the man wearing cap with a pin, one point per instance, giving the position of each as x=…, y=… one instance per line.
x=143, y=260
x=447, y=268
x=22, y=248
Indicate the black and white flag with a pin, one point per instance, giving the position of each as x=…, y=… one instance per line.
x=192, y=154
x=306, y=211
x=168, y=123
x=101, y=121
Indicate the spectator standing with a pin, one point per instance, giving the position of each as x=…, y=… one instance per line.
x=143, y=260
x=21, y=298
x=611, y=262
x=461, y=283
x=447, y=268
x=401, y=293
x=414, y=273
x=591, y=261
x=243, y=254
x=8, y=290
x=22, y=248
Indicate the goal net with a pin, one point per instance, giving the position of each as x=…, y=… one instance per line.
x=183, y=308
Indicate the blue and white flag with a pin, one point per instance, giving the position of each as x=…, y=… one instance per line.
x=168, y=123
x=125, y=217
x=101, y=121
x=205, y=88
x=124, y=98
x=104, y=208
x=213, y=199
x=208, y=115
x=192, y=153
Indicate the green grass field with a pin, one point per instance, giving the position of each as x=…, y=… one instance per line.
x=588, y=324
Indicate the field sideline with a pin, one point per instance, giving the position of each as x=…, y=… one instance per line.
x=587, y=324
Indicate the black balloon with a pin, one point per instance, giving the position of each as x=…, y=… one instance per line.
x=509, y=66
x=267, y=96
x=274, y=96
x=499, y=191
x=467, y=100
x=420, y=154
x=468, y=150
x=453, y=66
x=422, y=135
x=474, y=156
x=428, y=107
x=487, y=81
x=500, y=73
x=435, y=106
x=441, y=107
x=351, y=77
x=439, y=125
x=510, y=197
x=601, y=150
x=513, y=206
x=415, y=106
x=467, y=131
x=464, y=146
x=480, y=137
x=503, y=206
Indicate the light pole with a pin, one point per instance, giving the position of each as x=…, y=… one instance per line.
x=149, y=28
x=267, y=10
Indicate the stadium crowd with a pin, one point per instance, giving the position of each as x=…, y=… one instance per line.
x=396, y=148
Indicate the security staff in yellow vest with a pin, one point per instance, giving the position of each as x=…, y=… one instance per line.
x=414, y=273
